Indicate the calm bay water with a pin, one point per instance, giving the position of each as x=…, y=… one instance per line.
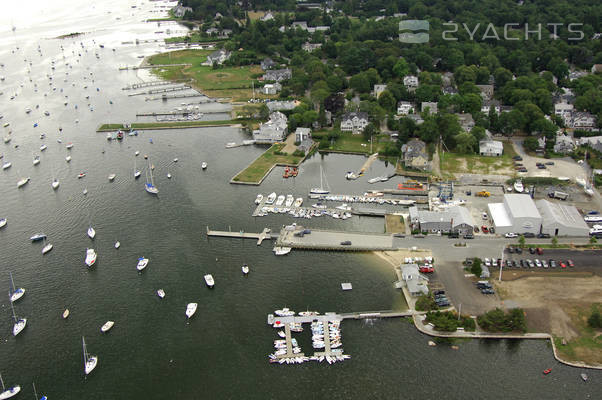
x=153, y=352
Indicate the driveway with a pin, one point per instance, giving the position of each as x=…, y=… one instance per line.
x=562, y=166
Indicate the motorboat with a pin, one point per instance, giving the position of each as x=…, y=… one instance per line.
x=10, y=392
x=2, y=222
x=289, y=201
x=547, y=371
x=191, y=309
x=259, y=198
x=518, y=186
x=36, y=160
x=112, y=177
x=90, y=361
x=142, y=263
x=204, y=165
x=137, y=153
x=175, y=159
x=7, y=139
x=55, y=184
x=209, y=280
x=271, y=198
x=85, y=191
x=66, y=313
x=43, y=147
x=245, y=269
x=23, y=182
x=81, y=175
x=47, y=248
x=90, y=257
x=38, y=237
x=6, y=165
x=285, y=312
x=298, y=202
x=350, y=175
x=168, y=175
x=584, y=377
x=280, y=200
x=107, y=326
x=281, y=251
x=161, y=293
x=374, y=180
x=91, y=233
x=69, y=146
x=117, y=244
x=16, y=293
x=593, y=218
x=68, y=158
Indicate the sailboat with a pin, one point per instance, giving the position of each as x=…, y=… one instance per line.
x=91, y=232
x=150, y=186
x=321, y=189
x=17, y=293
x=47, y=247
x=36, y=160
x=137, y=173
x=90, y=257
x=90, y=361
x=20, y=323
x=55, y=181
x=7, y=394
x=191, y=309
x=36, y=393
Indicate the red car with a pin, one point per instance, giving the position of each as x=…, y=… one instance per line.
x=484, y=229
x=427, y=269
x=562, y=264
x=570, y=263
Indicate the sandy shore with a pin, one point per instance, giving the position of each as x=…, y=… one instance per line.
x=395, y=258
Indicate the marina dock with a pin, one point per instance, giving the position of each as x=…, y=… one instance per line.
x=135, y=67
x=265, y=234
x=149, y=84
x=162, y=90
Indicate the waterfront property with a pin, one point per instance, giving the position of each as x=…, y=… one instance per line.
x=454, y=219
x=415, y=282
x=256, y=172
x=274, y=130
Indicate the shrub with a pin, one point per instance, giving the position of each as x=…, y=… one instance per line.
x=299, y=153
x=425, y=303
x=499, y=321
x=476, y=267
x=595, y=320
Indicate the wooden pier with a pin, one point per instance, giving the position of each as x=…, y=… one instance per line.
x=265, y=234
x=136, y=67
x=150, y=84
x=162, y=90
x=181, y=96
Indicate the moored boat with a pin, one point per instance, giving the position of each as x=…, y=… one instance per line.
x=271, y=198
x=584, y=377
x=112, y=177
x=10, y=392
x=90, y=257
x=209, y=280
x=2, y=222
x=161, y=293
x=20, y=323
x=23, y=182
x=191, y=309
x=107, y=326
x=36, y=160
x=91, y=232
x=66, y=313
x=204, y=165
x=142, y=263
x=6, y=165
x=81, y=175
x=47, y=248
x=15, y=293
x=117, y=244
x=281, y=251
x=90, y=361
x=245, y=269
x=37, y=237
x=259, y=198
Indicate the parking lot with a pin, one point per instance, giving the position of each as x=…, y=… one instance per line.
x=582, y=260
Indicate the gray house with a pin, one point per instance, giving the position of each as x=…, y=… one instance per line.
x=414, y=155
x=354, y=122
x=277, y=75
x=454, y=219
x=274, y=130
x=217, y=57
x=414, y=280
x=267, y=63
x=429, y=105
x=488, y=147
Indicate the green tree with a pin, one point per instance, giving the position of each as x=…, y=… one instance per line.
x=401, y=68
x=360, y=83
x=554, y=241
x=521, y=241
x=465, y=143
x=593, y=240
x=595, y=320
x=531, y=143
x=476, y=268
x=387, y=101
x=369, y=131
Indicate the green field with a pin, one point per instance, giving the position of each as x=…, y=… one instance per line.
x=587, y=347
x=166, y=125
x=193, y=38
x=453, y=163
x=255, y=172
x=348, y=142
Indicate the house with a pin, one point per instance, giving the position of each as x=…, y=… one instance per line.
x=466, y=121
x=490, y=147
x=378, y=89
x=281, y=105
x=302, y=134
x=272, y=88
x=274, y=130
x=267, y=16
x=405, y=108
x=212, y=31
x=179, y=11
x=450, y=90
x=489, y=104
x=299, y=24
x=415, y=282
x=454, y=219
x=410, y=82
x=576, y=75
x=592, y=141
x=486, y=91
x=267, y=63
x=431, y=106
x=596, y=68
x=564, y=110
x=583, y=121
x=354, y=122
x=309, y=47
x=277, y=75
x=217, y=57
x=415, y=155
x=564, y=144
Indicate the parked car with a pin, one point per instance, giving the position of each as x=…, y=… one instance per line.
x=539, y=250
x=469, y=236
x=549, y=162
x=476, y=229
x=552, y=264
x=444, y=304
x=519, y=250
x=530, y=263
x=510, y=249
x=532, y=250
x=538, y=263
x=594, y=212
x=484, y=229
x=485, y=216
x=436, y=292
x=570, y=263
x=427, y=269
x=487, y=291
x=514, y=264
x=529, y=235
x=522, y=263
x=494, y=262
x=454, y=235
x=517, y=158
x=346, y=243
x=544, y=263
x=492, y=230
x=562, y=264
x=399, y=235
x=544, y=236
x=468, y=193
x=487, y=262
x=511, y=235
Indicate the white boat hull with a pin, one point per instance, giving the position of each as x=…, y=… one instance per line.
x=7, y=394
x=191, y=309
x=91, y=364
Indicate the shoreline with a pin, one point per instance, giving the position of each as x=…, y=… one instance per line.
x=480, y=335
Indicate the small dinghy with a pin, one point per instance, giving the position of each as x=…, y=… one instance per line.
x=66, y=313
x=245, y=269
x=161, y=293
x=107, y=326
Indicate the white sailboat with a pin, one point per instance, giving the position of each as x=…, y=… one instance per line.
x=91, y=232
x=36, y=160
x=518, y=186
x=204, y=165
x=191, y=309
x=16, y=293
x=321, y=189
x=10, y=392
x=55, y=181
x=90, y=257
x=137, y=173
x=117, y=244
x=90, y=361
x=20, y=323
x=150, y=186
x=2, y=222
x=47, y=247
x=23, y=182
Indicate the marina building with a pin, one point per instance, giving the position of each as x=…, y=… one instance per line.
x=517, y=214
x=561, y=220
x=274, y=130
x=454, y=219
x=490, y=147
x=414, y=280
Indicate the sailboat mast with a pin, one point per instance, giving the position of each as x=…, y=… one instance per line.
x=13, y=308
x=151, y=173
x=321, y=185
x=34, y=390
x=2, y=382
x=85, y=355
x=12, y=283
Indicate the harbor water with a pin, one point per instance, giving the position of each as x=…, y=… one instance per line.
x=153, y=351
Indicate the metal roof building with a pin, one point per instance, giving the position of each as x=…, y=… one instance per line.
x=516, y=214
x=561, y=219
x=455, y=218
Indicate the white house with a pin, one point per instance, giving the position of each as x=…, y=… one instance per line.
x=309, y=47
x=302, y=134
x=271, y=88
x=414, y=280
x=378, y=89
x=583, y=120
x=429, y=105
x=490, y=147
x=354, y=122
x=410, y=81
x=404, y=108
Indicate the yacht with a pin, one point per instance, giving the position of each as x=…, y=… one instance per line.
x=204, y=165
x=142, y=263
x=36, y=160
x=90, y=361
x=2, y=222
x=10, y=392
x=161, y=293
x=16, y=293
x=259, y=198
x=90, y=257
x=112, y=177
x=518, y=186
x=6, y=165
x=289, y=201
x=245, y=269
x=55, y=184
x=281, y=251
x=37, y=237
x=150, y=186
x=209, y=280
x=23, y=182
x=280, y=200
x=91, y=233
x=271, y=198
x=191, y=309
x=107, y=326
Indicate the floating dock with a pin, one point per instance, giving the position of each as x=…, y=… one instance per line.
x=265, y=234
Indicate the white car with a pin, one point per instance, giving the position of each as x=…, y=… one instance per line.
x=538, y=263
x=487, y=262
x=485, y=216
x=511, y=235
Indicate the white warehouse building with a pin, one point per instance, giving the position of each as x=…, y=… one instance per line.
x=561, y=219
x=516, y=214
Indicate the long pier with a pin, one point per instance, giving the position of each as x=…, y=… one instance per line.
x=181, y=96
x=163, y=90
x=265, y=234
x=148, y=84
x=135, y=67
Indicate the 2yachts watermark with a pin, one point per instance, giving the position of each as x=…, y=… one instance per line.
x=418, y=31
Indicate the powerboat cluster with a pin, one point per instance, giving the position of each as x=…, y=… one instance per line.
x=368, y=197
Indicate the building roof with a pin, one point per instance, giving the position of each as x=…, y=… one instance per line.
x=499, y=215
x=460, y=215
x=520, y=205
x=561, y=214
x=491, y=144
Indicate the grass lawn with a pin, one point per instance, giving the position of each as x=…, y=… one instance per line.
x=588, y=346
x=348, y=142
x=262, y=165
x=394, y=224
x=233, y=82
x=164, y=125
x=452, y=163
